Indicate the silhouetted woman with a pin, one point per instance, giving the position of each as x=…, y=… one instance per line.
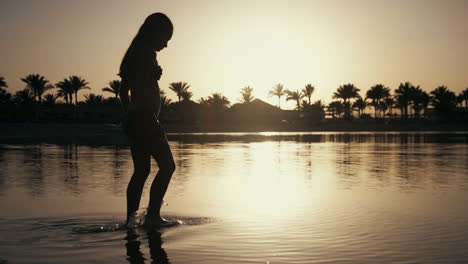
x=140, y=73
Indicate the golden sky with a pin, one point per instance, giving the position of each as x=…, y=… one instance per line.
x=224, y=45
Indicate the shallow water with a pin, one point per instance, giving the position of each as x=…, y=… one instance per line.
x=244, y=198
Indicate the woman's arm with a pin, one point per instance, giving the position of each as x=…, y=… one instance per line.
x=124, y=98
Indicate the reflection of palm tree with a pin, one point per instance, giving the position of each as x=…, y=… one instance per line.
x=37, y=84
x=443, y=99
x=179, y=88
x=246, y=94
x=78, y=84
x=296, y=96
x=279, y=91
x=346, y=92
x=377, y=93
x=403, y=97
x=65, y=90
x=360, y=104
x=307, y=91
x=114, y=87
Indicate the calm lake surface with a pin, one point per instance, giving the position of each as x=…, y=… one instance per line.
x=243, y=198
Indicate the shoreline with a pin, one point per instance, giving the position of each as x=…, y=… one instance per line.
x=40, y=130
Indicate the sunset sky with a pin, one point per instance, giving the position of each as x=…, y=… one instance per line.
x=224, y=45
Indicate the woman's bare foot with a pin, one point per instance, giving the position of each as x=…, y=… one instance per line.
x=158, y=221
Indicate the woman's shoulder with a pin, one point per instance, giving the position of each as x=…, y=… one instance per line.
x=136, y=61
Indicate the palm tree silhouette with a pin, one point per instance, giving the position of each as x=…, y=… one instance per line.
x=296, y=96
x=419, y=100
x=3, y=83
x=38, y=85
x=377, y=93
x=278, y=90
x=464, y=96
x=307, y=91
x=5, y=97
x=360, y=104
x=390, y=103
x=179, y=88
x=24, y=97
x=218, y=101
x=50, y=99
x=164, y=100
x=403, y=97
x=113, y=87
x=77, y=84
x=346, y=92
x=443, y=99
x=335, y=108
x=186, y=96
x=246, y=94
x=65, y=90
x=93, y=99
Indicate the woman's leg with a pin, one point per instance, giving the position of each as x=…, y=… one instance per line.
x=142, y=167
x=161, y=152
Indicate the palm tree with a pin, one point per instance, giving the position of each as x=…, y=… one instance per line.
x=307, y=91
x=164, y=100
x=460, y=99
x=296, y=96
x=377, y=93
x=113, y=87
x=77, y=84
x=464, y=96
x=346, y=92
x=93, y=99
x=65, y=90
x=403, y=97
x=218, y=101
x=50, y=99
x=360, y=104
x=24, y=97
x=186, y=96
x=5, y=96
x=278, y=90
x=179, y=88
x=390, y=103
x=246, y=94
x=3, y=83
x=335, y=108
x=203, y=101
x=443, y=99
x=419, y=100
x=37, y=84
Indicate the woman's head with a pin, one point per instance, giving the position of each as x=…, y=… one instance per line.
x=156, y=31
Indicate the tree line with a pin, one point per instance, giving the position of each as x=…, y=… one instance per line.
x=409, y=99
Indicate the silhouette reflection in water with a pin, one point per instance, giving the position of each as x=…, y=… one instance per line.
x=133, y=245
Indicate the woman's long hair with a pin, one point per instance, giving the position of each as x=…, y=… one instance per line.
x=156, y=23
